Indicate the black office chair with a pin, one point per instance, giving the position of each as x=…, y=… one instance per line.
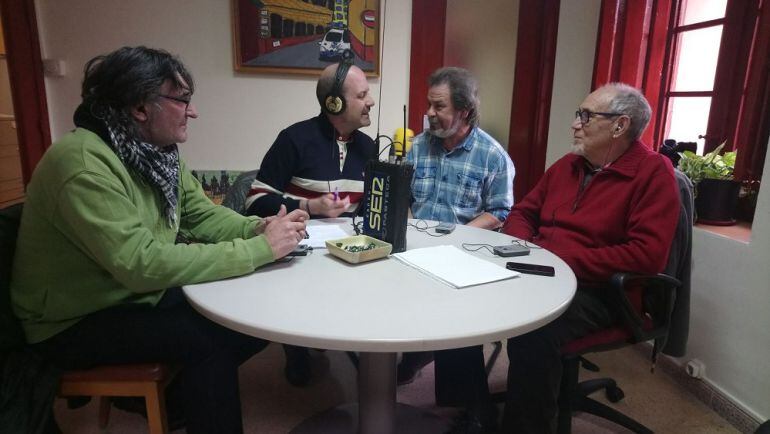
x=654, y=308
x=648, y=320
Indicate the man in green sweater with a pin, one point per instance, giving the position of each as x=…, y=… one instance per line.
x=97, y=272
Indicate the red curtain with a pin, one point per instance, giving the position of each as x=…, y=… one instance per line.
x=427, y=55
x=532, y=89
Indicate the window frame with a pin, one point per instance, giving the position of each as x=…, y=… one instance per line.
x=634, y=46
x=733, y=59
x=675, y=34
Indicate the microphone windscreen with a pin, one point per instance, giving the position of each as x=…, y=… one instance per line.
x=398, y=141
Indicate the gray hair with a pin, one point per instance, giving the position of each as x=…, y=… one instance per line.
x=631, y=102
x=463, y=87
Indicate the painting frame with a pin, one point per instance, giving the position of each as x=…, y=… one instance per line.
x=298, y=37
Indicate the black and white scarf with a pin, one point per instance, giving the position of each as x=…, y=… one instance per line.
x=158, y=166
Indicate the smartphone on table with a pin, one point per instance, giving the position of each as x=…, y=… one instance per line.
x=300, y=250
x=540, y=270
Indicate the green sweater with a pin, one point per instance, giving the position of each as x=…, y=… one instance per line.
x=93, y=236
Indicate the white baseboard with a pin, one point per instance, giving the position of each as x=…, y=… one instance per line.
x=713, y=397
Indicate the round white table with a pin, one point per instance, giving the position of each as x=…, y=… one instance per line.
x=383, y=307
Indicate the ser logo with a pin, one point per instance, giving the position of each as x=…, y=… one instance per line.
x=375, y=203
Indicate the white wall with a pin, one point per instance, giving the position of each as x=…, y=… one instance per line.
x=730, y=322
x=481, y=37
x=575, y=48
x=240, y=114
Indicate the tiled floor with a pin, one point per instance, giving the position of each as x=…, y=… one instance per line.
x=271, y=405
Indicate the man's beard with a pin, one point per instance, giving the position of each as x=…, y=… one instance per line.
x=443, y=134
x=578, y=149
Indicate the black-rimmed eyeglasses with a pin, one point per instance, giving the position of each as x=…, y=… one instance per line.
x=586, y=115
x=184, y=100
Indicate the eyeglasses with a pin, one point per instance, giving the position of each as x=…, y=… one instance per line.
x=586, y=115
x=183, y=100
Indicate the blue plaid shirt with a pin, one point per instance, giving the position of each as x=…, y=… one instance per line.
x=457, y=186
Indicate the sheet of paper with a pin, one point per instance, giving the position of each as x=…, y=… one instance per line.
x=454, y=267
x=319, y=234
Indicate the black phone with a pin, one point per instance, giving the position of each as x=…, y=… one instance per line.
x=300, y=250
x=540, y=270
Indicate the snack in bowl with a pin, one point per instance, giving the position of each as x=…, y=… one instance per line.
x=359, y=248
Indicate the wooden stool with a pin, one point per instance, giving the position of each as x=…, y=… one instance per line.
x=147, y=380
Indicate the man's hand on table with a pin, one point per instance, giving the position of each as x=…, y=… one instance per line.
x=284, y=231
x=329, y=205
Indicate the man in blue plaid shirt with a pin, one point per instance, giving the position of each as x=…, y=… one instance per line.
x=462, y=175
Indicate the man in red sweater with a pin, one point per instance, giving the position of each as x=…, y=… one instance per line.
x=610, y=205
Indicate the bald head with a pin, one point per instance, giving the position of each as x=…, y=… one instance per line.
x=355, y=93
x=622, y=98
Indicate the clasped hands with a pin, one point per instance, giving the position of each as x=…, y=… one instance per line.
x=284, y=230
x=328, y=205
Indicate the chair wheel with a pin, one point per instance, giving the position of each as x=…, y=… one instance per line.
x=614, y=394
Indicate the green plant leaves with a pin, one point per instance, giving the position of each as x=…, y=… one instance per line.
x=711, y=165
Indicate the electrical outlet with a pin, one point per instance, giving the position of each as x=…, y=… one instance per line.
x=54, y=67
x=695, y=368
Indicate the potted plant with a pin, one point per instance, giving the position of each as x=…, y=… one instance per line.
x=716, y=192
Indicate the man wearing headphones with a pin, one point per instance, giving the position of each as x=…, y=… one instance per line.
x=317, y=165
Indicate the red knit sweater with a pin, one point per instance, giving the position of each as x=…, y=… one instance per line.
x=622, y=220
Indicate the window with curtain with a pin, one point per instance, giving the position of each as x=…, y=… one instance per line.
x=696, y=36
x=714, y=58
x=704, y=65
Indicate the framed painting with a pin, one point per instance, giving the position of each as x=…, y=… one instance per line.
x=304, y=36
x=216, y=183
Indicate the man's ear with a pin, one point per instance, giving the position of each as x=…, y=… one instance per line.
x=621, y=126
x=139, y=113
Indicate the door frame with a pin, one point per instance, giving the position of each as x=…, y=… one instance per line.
x=25, y=72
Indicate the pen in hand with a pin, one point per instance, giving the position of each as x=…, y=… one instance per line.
x=336, y=194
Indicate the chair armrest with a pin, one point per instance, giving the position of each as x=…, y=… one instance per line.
x=658, y=293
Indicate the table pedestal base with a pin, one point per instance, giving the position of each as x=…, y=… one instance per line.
x=344, y=420
x=377, y=411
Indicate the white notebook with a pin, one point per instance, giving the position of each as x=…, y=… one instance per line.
x=319, y=234
x=454, y=267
